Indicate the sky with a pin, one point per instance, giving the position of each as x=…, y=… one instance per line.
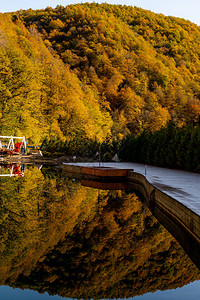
x=187, y=9
x=190, y=291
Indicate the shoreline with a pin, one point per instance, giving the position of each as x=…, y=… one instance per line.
x=36, y=158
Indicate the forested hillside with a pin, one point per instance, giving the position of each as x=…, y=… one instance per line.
x=170, y=147
x=96, y=71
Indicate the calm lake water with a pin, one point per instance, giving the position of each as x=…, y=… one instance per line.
x=60, y=239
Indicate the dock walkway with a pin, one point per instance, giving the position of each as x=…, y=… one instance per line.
x=180, y=185
x=173, y=197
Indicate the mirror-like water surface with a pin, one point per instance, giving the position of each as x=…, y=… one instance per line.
x=61, y=238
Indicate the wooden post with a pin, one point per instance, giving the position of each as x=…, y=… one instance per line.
x=13, y=146
x=99, y=155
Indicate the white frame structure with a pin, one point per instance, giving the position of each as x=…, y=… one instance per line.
x=11, y=138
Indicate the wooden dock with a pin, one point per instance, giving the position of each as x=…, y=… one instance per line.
x=99, y=177
x=105, y=172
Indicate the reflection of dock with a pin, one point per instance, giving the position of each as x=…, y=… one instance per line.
x=104, y=185
x=11, y=170
x=187, y=239
x=179, y=220
x=171, y=195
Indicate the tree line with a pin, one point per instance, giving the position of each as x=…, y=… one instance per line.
x=171, y=146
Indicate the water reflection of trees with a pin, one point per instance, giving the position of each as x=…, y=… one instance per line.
x=60, y=237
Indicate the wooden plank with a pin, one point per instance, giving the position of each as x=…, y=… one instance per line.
x=105, y=172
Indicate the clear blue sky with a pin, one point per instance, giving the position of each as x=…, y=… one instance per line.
x=187, y=9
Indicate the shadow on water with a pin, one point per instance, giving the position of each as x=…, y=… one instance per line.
x=189, y=243
x=63, y=238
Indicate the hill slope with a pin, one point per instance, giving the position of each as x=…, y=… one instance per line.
x=104, y=70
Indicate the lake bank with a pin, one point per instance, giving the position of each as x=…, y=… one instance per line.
x=36, y=158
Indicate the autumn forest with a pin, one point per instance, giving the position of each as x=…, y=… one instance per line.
x=96, y=72
x=73, y=78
